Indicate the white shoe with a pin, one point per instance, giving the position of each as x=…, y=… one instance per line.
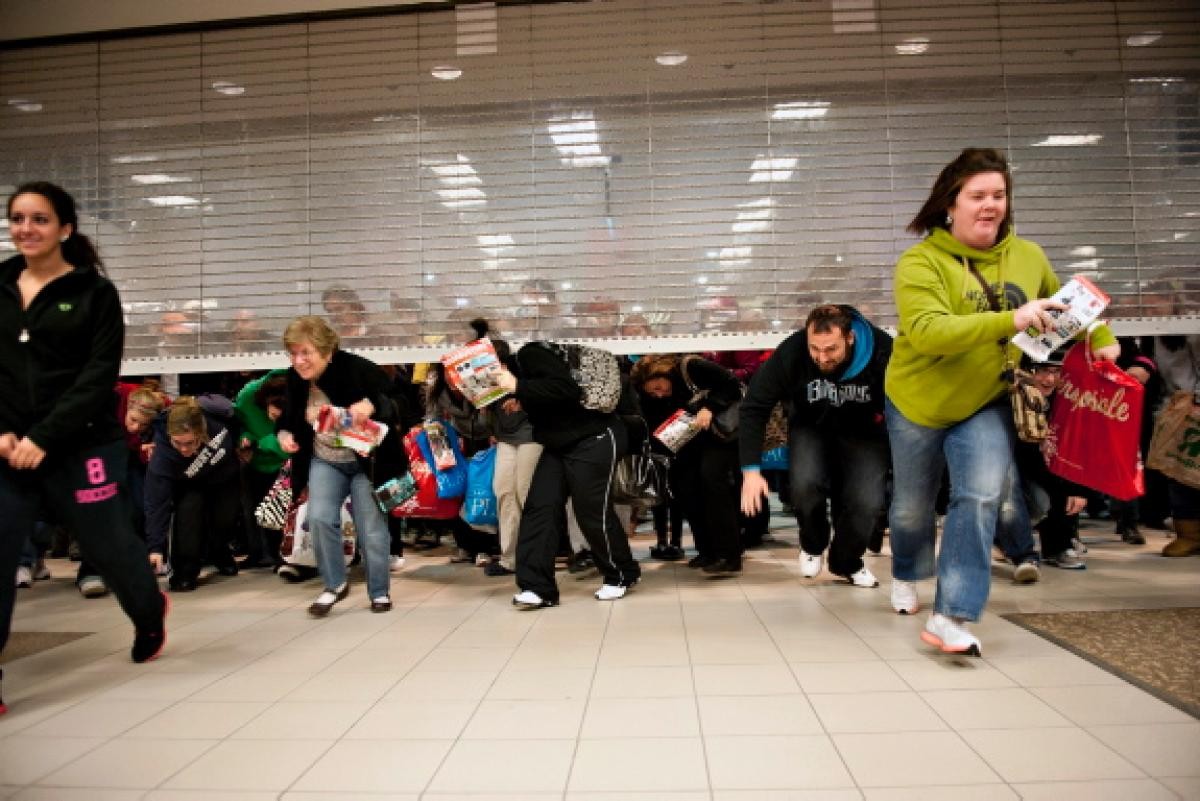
x=206, y=572
x=863, y=578
x=1026, y=573
x=950, y=635
x=810, y=565
x=396, y=564
x=41, y=572
x=482, y=560
x=904, y=597
x=92, y=587
x=610, y=592
x=528, y=599
x=24, y=577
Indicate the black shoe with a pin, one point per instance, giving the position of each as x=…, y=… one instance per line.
x=580, y=562
x=381, y=605
x=723, y=567
x=1131, y=535
x=657, y=551
x=147, y=645
x=181, y=585
x=319, y=608
x=250, y=563
x=497, y=569
x=228, y=570
x=672, y=553
x=699, y=561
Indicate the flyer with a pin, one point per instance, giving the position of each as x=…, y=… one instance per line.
x=472, y=370
x=1084, y=302
x=677, y=430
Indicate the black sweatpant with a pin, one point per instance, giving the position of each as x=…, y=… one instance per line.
x=87, y=492
x=708, y=481
x=583, y=472
x=205, y=514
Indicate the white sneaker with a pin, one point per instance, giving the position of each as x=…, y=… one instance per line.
x=528, y=599
x=1026, y=573
x=482, y=560
x=810, y=565
x=863, y=578
x=610, y=592
x=904, y=597
x=396, y=564
x=206, y=572
x=24, y=577
x=950, y=636
x=92, y=587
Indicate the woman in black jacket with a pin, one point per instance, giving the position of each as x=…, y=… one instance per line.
x=321, y=375
x=61, y=334
x=704, y=475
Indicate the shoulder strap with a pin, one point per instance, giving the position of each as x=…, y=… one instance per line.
x=994, y=302
x=683, y=369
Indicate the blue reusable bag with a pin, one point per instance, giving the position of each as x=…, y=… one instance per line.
x=451, y=482
x=775, y=459
x=479, y=507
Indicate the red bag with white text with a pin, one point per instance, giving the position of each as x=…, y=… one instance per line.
x=1095, y=426
x=425, y=502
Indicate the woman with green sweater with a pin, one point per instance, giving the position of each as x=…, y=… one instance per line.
x=962, y=293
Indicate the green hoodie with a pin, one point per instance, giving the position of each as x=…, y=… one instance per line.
x=946, y=364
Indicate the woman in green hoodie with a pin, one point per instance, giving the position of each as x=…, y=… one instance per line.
x=962, y=293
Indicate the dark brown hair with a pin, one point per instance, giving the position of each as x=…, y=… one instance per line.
x=77, y=250
x=949, y=183
x=828, y=316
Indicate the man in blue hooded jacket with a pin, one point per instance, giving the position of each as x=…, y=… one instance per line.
x=830, y=375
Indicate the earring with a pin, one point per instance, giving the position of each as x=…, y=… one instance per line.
x=64, y=239
x=949, y=218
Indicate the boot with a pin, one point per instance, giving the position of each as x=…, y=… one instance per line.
x=1187, y=539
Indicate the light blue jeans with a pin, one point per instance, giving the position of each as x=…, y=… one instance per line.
x=328, y=485
x=979, y=453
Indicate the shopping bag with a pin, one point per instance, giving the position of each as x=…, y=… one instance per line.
x=425, y=501
x=298, y=547
x=1095, y=426
x=479, y=505
x=775, y=458
x=640, y=479
x=272, y=510
x=451, y=479
x=1175, y=448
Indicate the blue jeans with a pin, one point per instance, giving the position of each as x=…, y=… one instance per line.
x=979, y=454
x=328, y=485
x=1014, y=529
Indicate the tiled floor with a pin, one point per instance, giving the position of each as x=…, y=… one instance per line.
x=764, y=688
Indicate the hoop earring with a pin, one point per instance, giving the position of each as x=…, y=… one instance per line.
x=949, y=219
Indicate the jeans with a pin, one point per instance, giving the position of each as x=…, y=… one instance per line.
x=852, y=472
x=979, y=454
x=1014, y=528
x=329, y=483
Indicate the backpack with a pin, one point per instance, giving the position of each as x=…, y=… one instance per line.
x=595, y=371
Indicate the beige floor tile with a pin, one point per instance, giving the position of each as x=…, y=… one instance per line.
x=661, y=795
x=292, y=659
x=630, y=654
x=1161, y=749
x=209, y=795
x=72, y=794
x=1032, y=755
x=943, y=672
x=757, y=715
x=847, y=677
x=639, y=764
x=525, y=720
x=413, y=719
x=825, y=649
x=654, y=681
x=242, y=686
x=375, y=766
x=733, y=651
x=430, y=685
x=538, y=657
x=160, y=687
x=911, y=759
x=1111, y=790
x=896, y=649
x=249, y=765
x=466, y=659
x=546, y=685
x=1104, y=705
x=97, y=719
x=975, y=792
x=24, y=760
x=482, y=797
x=641, y=717
x=1007, y=708
x=303, y=720
x=787, y=795
x=337, y=685
x=500, y=766
x=129, y=764
x=1066, y=670
x=336, y=796
x=779, y=762
x=1187, y=788
x=848, y=713
x=744, y=680
x=198, y=720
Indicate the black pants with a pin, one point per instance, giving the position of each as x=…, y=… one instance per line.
x=708, y=481
x=852, y=472
x=86, y=490
x=583, y=473
x=262, y=543
x=205, y=514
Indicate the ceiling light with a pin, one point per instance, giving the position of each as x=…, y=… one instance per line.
x=671, y=58
x=577, y=139
x=800, y=110
x=445, y=72
x=1084, y=250
x=21, y=104
x=173, y=200
x=772, y=169
x=154, y=178
x=1069, y=140
x=228, y=88
x=134, y=159
x=1143, y=39
x=913, y=46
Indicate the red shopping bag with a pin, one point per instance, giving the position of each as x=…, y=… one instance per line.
x=425, y=503
x=1095, y=426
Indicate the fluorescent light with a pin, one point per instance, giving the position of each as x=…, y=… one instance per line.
x=772, y=169
x=1069, y=140
x=671, y=58
x=1084, y=250
x=134, y=159
x=567, y=285
x=913, y=46
x=577, y=139
x=750, y=226
x=495, y=244
x=800, y=110
x=1143, y=39
x=702, y=279
x=445, y=72
x=1157, y=79
x=173, y=200
x=155, y=178
x=21, y=104
x=228, y=88
x=739, y=252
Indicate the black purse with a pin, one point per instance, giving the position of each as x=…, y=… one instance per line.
x=724, y=425
x=640, y=479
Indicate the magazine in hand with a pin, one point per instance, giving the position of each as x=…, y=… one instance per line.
x=337, y=421
x=677, y=430
x=1084, y=302
x=472, y=370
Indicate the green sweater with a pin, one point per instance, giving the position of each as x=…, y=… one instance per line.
x=258, y=428
x=946, y=364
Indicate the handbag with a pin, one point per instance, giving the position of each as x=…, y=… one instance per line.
x=1029, y=405
x=1095, y=426
x=724, y=424
x=298, y=547
x=479, y=506
x=640, y=479
x=272, y=510
x=1175, y=448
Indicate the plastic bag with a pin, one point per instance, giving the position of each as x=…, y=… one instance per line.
x=425, y=502
x=452, y=478
x=479, y=505
x=1175, y=449
x=640, y=479
x=298, y=547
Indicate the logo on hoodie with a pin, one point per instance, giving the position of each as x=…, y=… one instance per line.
x=65, y=307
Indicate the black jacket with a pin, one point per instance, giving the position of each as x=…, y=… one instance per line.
x=348, y=379
x=551, y=398
x=723, y=390
x=57, y=386
x=849, y=400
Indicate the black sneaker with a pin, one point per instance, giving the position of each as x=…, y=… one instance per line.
x=580, y=562
x=699, y=561
x=147, y=645
x=497, y=569
x=672, y=553
x=1131, y=535
x=723, y=567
